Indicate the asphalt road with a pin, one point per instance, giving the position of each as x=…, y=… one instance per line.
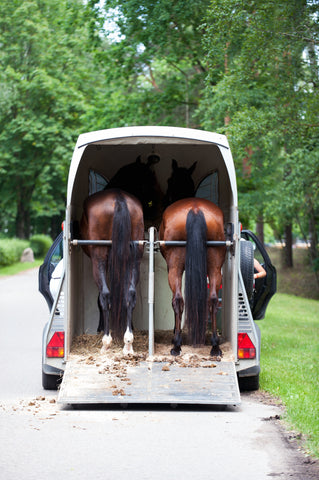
x=38, y=439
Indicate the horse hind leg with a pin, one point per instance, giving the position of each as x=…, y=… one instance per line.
x=212, y=306
x=175, y=273
x=104, y=299
x=215, y=351
x=99, y=274
x=178, y=307
x=131, y=303
x=128, y=336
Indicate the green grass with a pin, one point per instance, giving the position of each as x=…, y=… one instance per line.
x=290, y=362
x=299, y=280
x=19, y=267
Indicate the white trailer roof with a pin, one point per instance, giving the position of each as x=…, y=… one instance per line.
x=152, y=135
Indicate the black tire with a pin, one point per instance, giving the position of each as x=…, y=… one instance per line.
x=247, y=266
x=248, y=384
x=51, y=382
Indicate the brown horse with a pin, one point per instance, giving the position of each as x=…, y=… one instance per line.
x=139, y=179
x=116, y=215
x=195, y=220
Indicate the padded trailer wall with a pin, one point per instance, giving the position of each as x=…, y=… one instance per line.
x=105, y=154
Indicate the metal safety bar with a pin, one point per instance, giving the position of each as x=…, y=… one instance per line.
x=166, y=243
x=182, y=243
x=102, y=242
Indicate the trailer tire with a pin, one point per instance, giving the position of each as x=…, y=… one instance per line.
x=51, y=382
x=248, y=384
x=247, y=266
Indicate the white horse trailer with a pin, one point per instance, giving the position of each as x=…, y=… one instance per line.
x=73, y=308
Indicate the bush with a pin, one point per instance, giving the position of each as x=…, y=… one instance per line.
x=40, y=244
x=11, y=250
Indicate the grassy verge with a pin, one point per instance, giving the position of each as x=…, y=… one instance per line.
x=19, y=267
x=299, y=280
x=289, y=362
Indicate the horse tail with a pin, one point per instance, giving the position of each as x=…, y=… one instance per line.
x=196, y=277
x=119, y=265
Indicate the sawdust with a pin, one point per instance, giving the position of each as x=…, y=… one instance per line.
x=90, y=346
x=114, y=366
x=41, y=407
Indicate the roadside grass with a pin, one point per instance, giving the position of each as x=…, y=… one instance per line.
x=19, y=267
x=289, y=363
x=299, y=280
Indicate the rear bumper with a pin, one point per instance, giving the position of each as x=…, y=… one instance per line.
x=249, y=372
x=49, y=370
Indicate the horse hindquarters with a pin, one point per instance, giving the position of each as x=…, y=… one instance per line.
x=196, y=277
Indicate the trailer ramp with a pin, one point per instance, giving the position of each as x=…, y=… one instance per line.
x=150, y=383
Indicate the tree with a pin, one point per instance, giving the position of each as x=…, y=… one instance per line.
x=47, y=83
x=159, y=54
x=267, y=93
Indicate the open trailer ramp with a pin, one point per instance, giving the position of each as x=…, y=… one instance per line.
x=150, y=383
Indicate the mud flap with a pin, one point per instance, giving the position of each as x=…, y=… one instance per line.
x=150, y=383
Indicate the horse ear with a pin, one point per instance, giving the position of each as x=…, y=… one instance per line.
x=192, y=168
x=138, y=160
x=174, y=165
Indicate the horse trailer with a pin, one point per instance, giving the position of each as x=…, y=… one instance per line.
x=66, y=281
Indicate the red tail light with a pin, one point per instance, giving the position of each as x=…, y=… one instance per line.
x=55, y=347
x=246, y=348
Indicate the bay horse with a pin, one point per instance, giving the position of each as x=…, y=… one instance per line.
x=195, y=220
x=116, y=215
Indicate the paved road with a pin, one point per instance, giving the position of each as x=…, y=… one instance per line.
x=40, y=440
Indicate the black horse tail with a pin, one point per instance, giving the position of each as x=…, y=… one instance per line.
x=196, y=310
x=119, y=266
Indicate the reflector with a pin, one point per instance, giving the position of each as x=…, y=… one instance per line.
x=246, y=348
x=55, y=347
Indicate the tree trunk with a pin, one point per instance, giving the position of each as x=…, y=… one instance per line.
x=22, y=222
x=314, y=253
x=287, y=251
x=313, y=234
x=260, y=228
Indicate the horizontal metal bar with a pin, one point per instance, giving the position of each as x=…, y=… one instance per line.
x=166, y=243
x=182, y=243
x=102, y=242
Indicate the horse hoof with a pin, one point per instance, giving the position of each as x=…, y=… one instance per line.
x=128, y=337
x=176, y=352
x=216, y=352
x=106, y=341
x=128, y=349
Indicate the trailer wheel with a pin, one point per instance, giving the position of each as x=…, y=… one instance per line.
x=51, y=382
x=248, y=384
x=247, y=266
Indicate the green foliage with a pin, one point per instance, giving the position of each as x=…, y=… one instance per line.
x=289, y=367
x=266, y=101
x=247, y=69
x=40, y=244
x=48, y=82
x=11, y=250
x=158, y=59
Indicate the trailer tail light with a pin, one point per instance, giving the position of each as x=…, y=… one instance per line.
x=246, y=348
x=55, y=347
